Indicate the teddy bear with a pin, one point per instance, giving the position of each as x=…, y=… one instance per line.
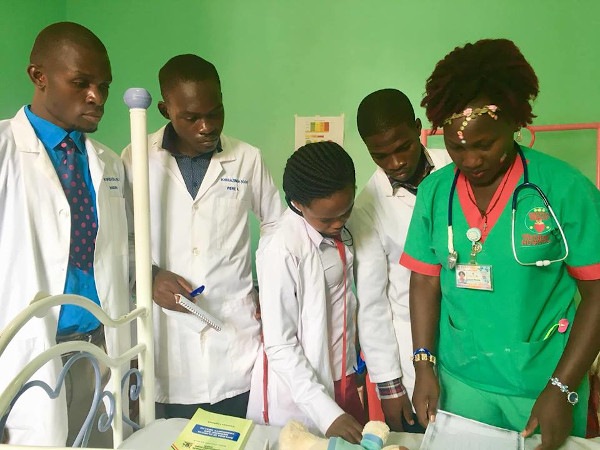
x=295, y=436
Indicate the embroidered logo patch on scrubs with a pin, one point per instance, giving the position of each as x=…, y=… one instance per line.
x=539, y=223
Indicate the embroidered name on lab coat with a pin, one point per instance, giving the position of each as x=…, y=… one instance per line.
x=233, y=180
x=111, y=182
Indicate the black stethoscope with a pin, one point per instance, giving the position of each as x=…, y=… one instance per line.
x=453, y=256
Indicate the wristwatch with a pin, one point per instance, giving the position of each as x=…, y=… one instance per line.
x=572, y=396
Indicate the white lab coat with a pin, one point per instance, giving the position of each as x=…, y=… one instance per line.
x=206, y=240
x=295, y=325
x=34, y=243
x=379, y=224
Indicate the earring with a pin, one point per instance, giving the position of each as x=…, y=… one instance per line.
x=519, y=136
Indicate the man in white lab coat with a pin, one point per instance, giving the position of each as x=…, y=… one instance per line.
x=386, y=123
x=203, y=184
x=41, y=226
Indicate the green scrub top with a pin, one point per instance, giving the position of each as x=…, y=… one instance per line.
x=494, y=340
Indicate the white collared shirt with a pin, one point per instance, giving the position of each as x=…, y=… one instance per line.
x=334, y=277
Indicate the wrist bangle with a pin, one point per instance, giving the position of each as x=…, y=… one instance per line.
x=424, y=357
x=572, y=396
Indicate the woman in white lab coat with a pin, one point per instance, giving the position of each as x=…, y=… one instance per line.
x=34, y=244
x=307, y=305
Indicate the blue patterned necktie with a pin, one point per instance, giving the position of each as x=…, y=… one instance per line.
x=83, y=216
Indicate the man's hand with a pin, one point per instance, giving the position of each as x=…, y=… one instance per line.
x=166, y=286
x=346, y=427
x=554, y=415
x=395, y=409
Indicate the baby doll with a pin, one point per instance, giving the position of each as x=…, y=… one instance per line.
x=295, y=436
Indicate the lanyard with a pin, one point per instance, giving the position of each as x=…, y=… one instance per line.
x=452, y=255
x=342, y=251
x=453, y=190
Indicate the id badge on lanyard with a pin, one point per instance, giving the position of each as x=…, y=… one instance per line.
x=473, y=275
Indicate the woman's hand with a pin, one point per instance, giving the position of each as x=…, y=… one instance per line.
x=554, y=415
x=427, y=393
x=346, y=427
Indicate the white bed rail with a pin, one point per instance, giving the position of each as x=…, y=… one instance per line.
x=117, y=364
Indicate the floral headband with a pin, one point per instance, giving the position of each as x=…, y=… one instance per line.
x=469, y=114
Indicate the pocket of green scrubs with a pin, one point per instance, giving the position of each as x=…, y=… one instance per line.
x=522, y=368
x=457, y=352
x=490, y=363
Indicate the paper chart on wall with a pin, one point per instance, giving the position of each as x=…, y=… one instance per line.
x=318, y=128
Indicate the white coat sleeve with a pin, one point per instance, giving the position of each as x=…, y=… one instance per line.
x=374, y=318
x=266, y=201
x=280, y=314
x=126, y=157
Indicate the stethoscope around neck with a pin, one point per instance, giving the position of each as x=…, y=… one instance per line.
x=453, y=256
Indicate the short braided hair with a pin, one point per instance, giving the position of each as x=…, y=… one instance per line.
x=384, y=109
x=492, y=68
x=317, y=170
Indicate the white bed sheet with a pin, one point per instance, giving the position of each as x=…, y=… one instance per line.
x=161, y=433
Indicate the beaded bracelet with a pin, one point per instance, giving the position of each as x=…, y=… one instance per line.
x=421, y=350
x=423, y=354
x=424, y=357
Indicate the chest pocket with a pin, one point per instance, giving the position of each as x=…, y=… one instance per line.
x=537, y=235
x=230, y=222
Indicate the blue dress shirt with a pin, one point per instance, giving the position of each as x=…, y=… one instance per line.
x=72, y=319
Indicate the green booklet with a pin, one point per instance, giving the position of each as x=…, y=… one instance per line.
x=211, y=431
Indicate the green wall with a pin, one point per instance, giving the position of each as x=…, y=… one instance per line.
x=20, y=22
x=278, y=58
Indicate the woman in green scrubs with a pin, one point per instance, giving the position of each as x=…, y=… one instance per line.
x=496, y=261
